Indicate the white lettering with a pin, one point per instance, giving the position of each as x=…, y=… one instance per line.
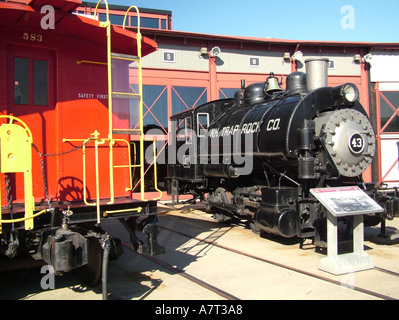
x=348, y=20
x=172, y=310
x=48, y=21
x=273, y=125
x=85, y=95
x=48, y=280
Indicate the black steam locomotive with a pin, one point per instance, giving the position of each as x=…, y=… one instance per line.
x=255, y=157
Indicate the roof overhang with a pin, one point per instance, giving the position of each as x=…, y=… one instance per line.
x=267, y=41
x=26, y=13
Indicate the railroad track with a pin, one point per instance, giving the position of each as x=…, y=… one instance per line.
x=229, y=296
x=185, y=275
x=287, y=267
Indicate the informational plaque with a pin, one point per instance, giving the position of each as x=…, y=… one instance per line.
x=340, y=202
x=346, y=201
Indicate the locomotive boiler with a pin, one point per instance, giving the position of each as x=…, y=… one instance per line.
x=256, y=156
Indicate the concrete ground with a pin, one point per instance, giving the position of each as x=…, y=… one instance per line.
x=134, y=277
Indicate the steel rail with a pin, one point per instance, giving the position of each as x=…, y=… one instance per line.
x=284, y=266
x=184, y=274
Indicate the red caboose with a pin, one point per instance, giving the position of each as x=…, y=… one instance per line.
x=68, y=113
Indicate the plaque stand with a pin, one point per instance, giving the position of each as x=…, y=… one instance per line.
x=343, y=202
x=358, y=260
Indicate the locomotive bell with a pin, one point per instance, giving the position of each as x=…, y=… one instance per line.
x=272, y=85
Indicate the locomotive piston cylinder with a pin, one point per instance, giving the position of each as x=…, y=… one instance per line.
x=277, y=213
x=220, y=171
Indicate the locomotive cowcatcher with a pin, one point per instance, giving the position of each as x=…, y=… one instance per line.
x=255, y=157
x=67, y=113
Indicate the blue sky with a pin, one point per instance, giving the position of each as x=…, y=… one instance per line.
x=324, y=20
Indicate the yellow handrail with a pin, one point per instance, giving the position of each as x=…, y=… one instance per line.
x=130, y=163
x=25, y=218
x=106, y=5
x=141, y=125
x=95, y=137
x=111, y=140
x=110, y=93
x=97, y=142
x=92, y=62
x=108, y=212
x=85, y=141
x=107, y=25
x=138, y=17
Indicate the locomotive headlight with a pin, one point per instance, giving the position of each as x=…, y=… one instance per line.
x=350, y=92
x=346, y=93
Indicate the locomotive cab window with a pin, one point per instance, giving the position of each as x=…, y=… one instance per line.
x=180, y=130
x=188, y=124
x=202, y=124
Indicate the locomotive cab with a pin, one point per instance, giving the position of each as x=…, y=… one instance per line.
x=189, y=131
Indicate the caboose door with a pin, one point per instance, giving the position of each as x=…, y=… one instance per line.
x=32, y=98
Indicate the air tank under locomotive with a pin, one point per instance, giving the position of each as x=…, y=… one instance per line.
x=260, y=153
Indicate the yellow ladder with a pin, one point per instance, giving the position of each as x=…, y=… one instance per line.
x=124, y=95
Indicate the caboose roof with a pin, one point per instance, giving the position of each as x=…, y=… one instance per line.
x=26, y=13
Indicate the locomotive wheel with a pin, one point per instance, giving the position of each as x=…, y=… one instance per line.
x=253, y=227
x=222, y=218
x=91, y=272
x=223, y=197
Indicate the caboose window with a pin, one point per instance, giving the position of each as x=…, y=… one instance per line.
x=39, y=83
x=27, y=72
x=21, y=81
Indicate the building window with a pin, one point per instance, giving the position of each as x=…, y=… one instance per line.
x=155, y=108
x=389, y=103
x=226, y=93
x=145, y=22
x=184, y=98
x=114, y=18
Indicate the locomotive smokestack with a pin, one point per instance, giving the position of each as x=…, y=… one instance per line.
x=316, y=73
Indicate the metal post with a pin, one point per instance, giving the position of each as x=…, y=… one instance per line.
x=332, y=235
